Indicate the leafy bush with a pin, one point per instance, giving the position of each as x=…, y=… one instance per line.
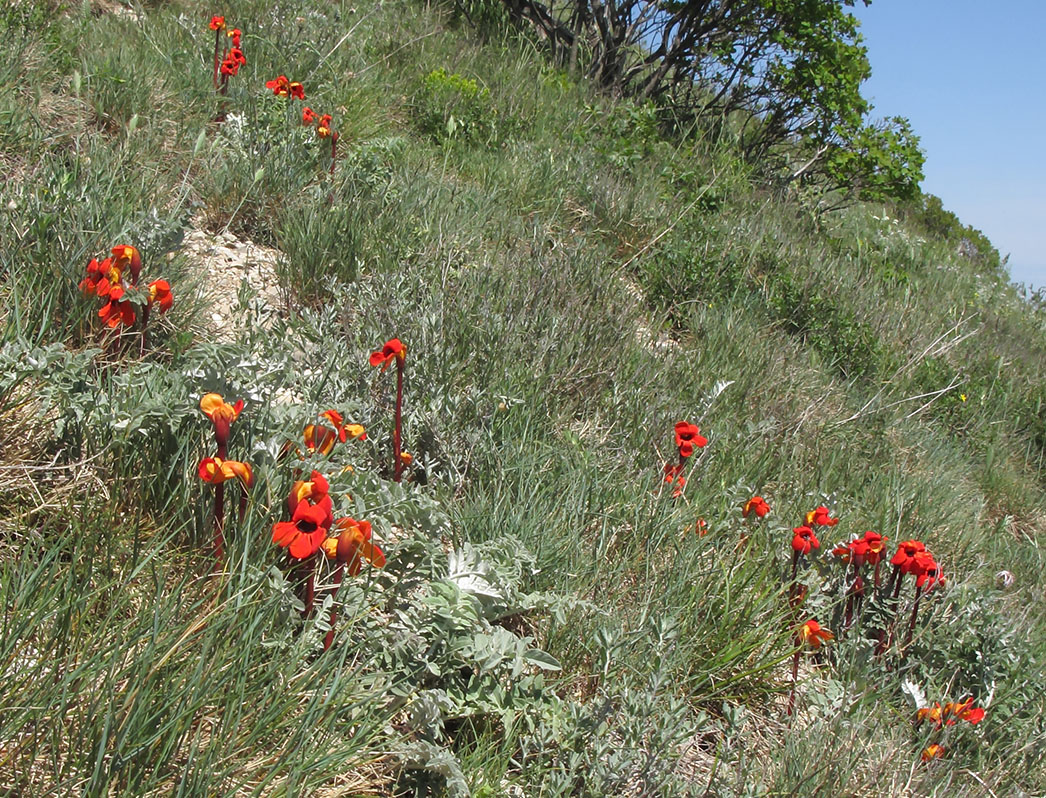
x=449, y=106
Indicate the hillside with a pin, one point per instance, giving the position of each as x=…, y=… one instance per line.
x=530, y=610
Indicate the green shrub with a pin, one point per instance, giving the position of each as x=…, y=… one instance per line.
x=450, y=106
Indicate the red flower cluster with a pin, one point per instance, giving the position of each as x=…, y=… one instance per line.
x=868, y=549
x=227, y=62
x=284, y=87
x=113, y=278
x=688, y=438
x=323, y=123
x=950, y=713
x=232, y=61
x=913, y=558
x=674, y=473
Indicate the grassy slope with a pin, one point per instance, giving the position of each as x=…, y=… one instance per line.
x=569, y=285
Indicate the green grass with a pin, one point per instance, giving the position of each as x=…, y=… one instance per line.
x=570, y=282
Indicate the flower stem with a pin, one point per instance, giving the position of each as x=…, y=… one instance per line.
x=397, y=468
x=217, y=42
x=911, y=622
x=219, y=524
x=334, y=610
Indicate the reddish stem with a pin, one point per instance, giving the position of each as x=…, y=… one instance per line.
x=219, y=524
x=397, y=472
x=911, y=622
x=217, y=42
x=219, y=506
x=334, y=610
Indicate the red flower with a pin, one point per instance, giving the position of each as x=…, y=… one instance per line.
x=280, y=86
x=217, y=409
x=125, y=256
x=235, y=34
x=804, y=540
x=672, y=471
x=820, y=517
x=217, y=23
x=311, y=516
x=926, y=571
x=216, y=471
x=160, y=292
x=117, y=311
x=322, y=439
x=303, y=535
x=701, y=527
x=353, y=545
x=811, y=634
x=308, y=116
x=297, y=91
x=859, y=551
x=316, y=491
x=875, y=544
x=319, y=438
x=964, y=710
x=934, y=751
x=755, y=505
x=680, y=484
x=323, y=130
x=905, y=556
x=394, y=349
x=221, y=414
x=933, y=714
x=100, y=277
x=236, y=56
x=688, y=438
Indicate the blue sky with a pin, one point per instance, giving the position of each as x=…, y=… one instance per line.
x=972, y=79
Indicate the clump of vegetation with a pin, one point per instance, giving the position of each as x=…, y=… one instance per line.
x=451, y=106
